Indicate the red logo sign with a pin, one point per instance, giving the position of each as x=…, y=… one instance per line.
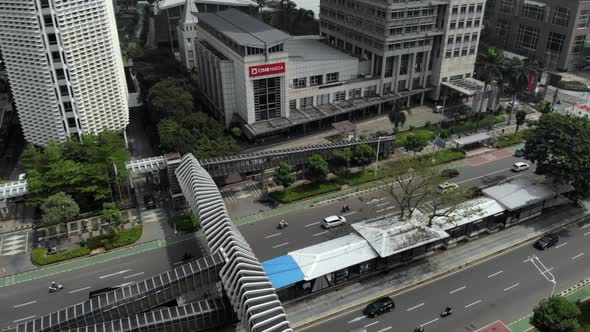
x=532, y=81
x=270, y=69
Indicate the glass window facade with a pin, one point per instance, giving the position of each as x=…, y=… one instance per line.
x=267, y=98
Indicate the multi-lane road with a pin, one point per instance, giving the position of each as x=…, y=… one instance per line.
x=304, y=229
x=31, y=299
x=505, y=287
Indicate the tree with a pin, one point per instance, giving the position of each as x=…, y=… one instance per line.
x=520, y=118
x=267, y=18
x=555, y=314
x=134, y=51
x=111, y=215
x=283, y=175
x=451, y=206
x=516, y=73
x=415, y=144
x=363, y=154
x=560, y=146
x=169, y=98
x=409, y=189
x=174, y=137
x=342, y=158
x=397, y=116
x=489, y=69
x=316, y=169
x=59, y=208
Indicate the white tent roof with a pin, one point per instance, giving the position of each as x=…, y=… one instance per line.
x=468, y=212
x=521, y=192
x=333, y=255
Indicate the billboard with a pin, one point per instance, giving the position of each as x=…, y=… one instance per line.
x=532, y=82
x=269, y=69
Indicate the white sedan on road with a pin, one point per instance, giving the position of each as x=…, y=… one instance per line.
x=520, y=166
x=447, y=187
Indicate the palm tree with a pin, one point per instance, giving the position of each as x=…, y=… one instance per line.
x=516, y=73
x=489, y=69
x=397, y=116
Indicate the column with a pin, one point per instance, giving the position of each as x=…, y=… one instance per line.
x=411, y=65
x=396, y=67
x=380, y=87
x=425, y=68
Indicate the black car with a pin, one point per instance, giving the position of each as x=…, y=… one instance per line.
x=378, y=307
x=149, y=202
x=546, y=241
x=449, y=173
x=519, y=152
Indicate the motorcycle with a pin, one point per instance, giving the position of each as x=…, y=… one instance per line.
x=345, y=208
x=55, y=288
x=419, y=329
x=448, y=311
x=282, y=224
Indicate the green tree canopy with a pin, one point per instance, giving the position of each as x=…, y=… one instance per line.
x=316, y=169
x=415, y=143
x=397, y=116
x=170, y=98
x=520, y=118
x=363, y=154
x=341, y=158
x=555, y=314
x=560, y=145
x=59, y=208
x=111, y=215
x=283, y=175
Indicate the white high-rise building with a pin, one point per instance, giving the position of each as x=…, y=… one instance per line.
x=64, y=66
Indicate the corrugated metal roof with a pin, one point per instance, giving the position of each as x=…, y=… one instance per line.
x=521, y=192
x=243, y=29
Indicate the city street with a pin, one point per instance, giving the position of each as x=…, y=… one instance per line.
x=31, y=299
x=505, y=287
x=304, y=228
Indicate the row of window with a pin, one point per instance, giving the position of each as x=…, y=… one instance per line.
x=460, y=24
x=460, y=52
x=536, y=11
x=472, y=8
x=463, y=38
x=455, y=77
x=315, y=80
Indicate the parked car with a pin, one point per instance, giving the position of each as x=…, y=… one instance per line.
x=333, y=221
x=546, y=241
x=149, y=202
x=449, y=173
x=447, y=187
x=519, y=152
x=378, y=307
x=520, y=166
x=437, y=109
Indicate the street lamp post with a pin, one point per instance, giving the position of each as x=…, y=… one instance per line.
x=377, y=155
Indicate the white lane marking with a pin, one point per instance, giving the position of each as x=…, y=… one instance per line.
x=458, y=289
x=387, y=208
x=561, y=245
x=550, y=269
x=113, y=274
x=430, y=322
x=415, y=307
x=315, y=223
x=133, y=275
x=376, y=200
x=24, y=304
x=324, y=232
x=495, y=274
x=349, y=213
x=280, y=245
x=178, y=263
x=474, y=303
x=273, y=235
x=373, y=323
x=578, y=255
x=385, y=329
x=509, y=288
x=356, y=319
x=79, y=290
x=26, y=318
x=587, y=233
x=383, y=204
x=482, y=176
x=587, y=225
x=125, y=284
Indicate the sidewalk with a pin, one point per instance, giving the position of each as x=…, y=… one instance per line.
x=580, y=292
x=358, y=294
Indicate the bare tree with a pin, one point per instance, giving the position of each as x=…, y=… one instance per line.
x=411, y=188
x=452, y=205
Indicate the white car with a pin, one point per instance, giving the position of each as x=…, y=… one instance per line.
x=22, y=176
x=447, y=187
x=437, y=109
x=520, y=166
x=333, y=221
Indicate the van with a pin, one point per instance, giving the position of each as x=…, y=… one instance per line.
x=333, y=221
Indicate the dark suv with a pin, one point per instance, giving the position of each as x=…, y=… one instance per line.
x=379, y=306
x=546, y=241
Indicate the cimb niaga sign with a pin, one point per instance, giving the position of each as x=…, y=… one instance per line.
x=270, y=69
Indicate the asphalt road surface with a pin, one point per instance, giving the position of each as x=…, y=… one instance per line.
x=304, y=228
x=505, y=287
x=31, y=299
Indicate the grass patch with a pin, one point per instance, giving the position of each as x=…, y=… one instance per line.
x=573, y=86
x=511, y=139
x=39, y=255
x=445, y=156
x=186, y=222
x=307, y=190
x=125, y=237
x=421, y=133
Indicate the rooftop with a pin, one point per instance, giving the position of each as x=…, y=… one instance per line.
x=166, y=4
x=243, y=29
x=521, y=192
x=310, y=48
x=468, y=212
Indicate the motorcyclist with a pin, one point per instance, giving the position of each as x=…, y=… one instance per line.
x=448, y=309
x=282, y=223
x=53, y=284
x=419, y=329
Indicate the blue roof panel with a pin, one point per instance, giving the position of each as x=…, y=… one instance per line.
x=282, y=271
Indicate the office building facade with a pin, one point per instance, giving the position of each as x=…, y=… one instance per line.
x=64, y=66
x=552, y=32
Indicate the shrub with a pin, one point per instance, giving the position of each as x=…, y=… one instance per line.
x=236, y=132
x=125, y=237
x=511, y=139
x=186, y=222
x=305, y=191
x=39, y=255
x=100, y=241
x=573, y=86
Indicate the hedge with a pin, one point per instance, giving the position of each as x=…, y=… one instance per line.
x=186, y=222
x=306, y=190
x=39, y=255
x=511, y=139
x=125, y=237
x=573, y=86
x=100, y=241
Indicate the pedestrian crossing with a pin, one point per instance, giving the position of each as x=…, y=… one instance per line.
x=232, y=194
x=155, y=215
x=13, y=244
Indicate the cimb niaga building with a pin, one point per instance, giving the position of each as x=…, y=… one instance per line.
x=370, y=55
x=64, y=67
x=551, y=31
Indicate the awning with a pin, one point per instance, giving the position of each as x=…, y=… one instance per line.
x=464, y=87
x=282, y=271
x=477, y=138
